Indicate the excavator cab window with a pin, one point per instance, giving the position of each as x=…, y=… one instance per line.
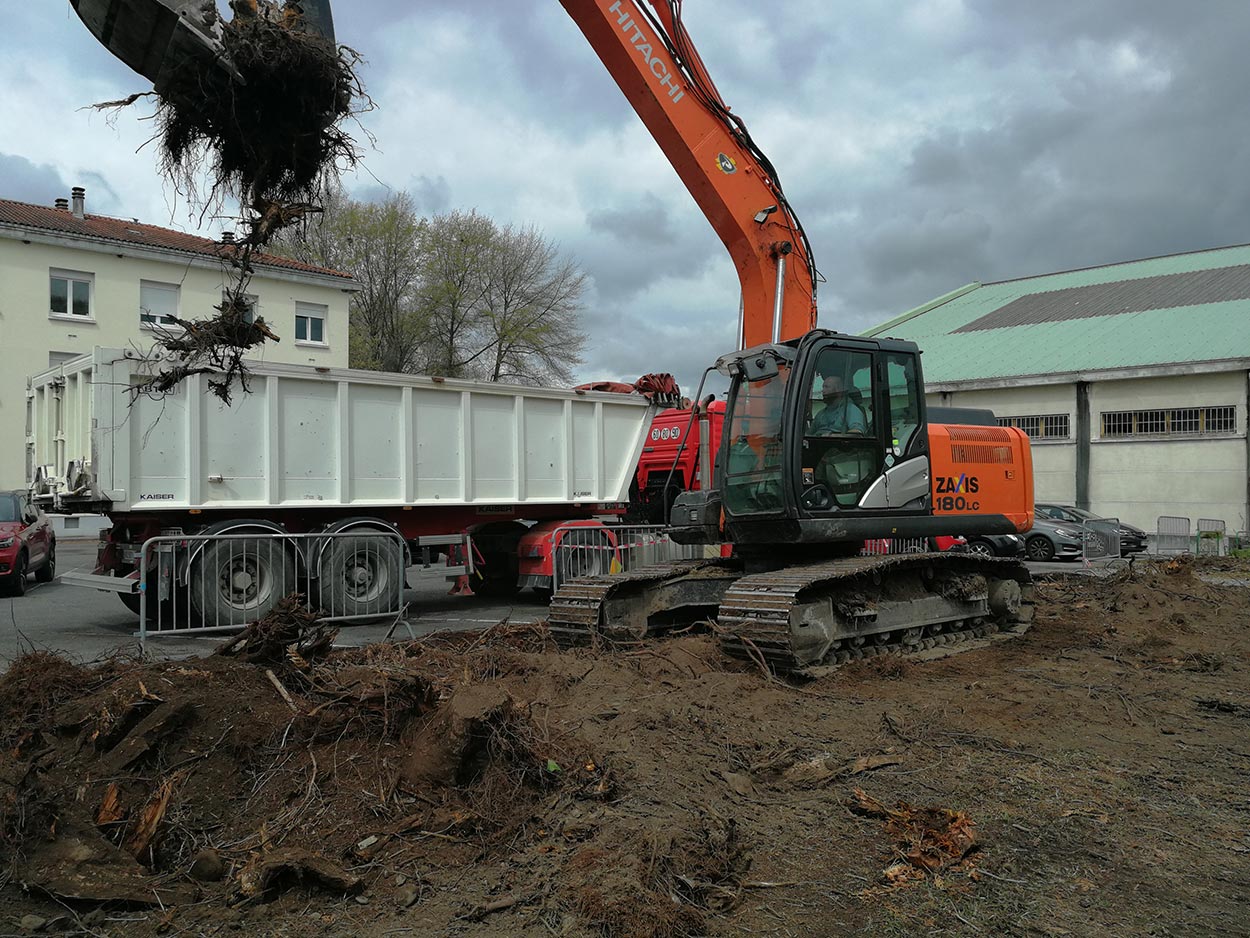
x=842, y=452
x=903, y=394
x=753, y=459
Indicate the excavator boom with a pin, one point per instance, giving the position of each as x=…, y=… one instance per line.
x=644, y=46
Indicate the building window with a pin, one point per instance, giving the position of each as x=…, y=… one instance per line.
x=1170, y=421
x=250, y=301
x=158, y=303
x=70, y=293
x=1041, y=426
x=310, y=323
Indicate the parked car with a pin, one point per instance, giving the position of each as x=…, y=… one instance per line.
x=996, y=545
x=1052, y=540
x=1132, y=539
x=27, y=543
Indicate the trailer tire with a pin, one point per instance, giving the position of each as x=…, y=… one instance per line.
x=360, y=576
x=237, y=582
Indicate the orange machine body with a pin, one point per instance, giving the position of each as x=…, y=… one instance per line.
x=982, y=471
x=644, y=46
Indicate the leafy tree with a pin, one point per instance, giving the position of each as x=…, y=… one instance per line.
x=380, y=245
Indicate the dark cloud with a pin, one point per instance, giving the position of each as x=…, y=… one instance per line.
x=630, y=248
x=1133, y=148
x=25, y=181
x=431, y=196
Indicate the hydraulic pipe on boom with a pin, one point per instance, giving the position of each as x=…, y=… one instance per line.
x=644, y=46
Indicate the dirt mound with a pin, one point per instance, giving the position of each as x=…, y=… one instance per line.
x=1088, y=776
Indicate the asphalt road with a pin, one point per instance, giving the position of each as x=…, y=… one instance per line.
x=88, y=624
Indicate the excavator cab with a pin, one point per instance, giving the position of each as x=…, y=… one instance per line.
x=826, y=443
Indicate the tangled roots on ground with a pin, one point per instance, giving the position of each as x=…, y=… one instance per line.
x=658, y=886
x=33, y=684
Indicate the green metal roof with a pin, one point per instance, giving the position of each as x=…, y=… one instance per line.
x=1209, y=326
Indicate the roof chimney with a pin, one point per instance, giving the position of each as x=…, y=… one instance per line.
x=62, y=204
x=227, y=237
x=79, y=196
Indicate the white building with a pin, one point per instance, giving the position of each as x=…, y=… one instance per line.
x=71, y=281
x=1131, y=380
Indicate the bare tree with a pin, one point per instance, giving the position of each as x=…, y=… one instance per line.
x=455, y=295
x=381, y=245
x=531, y=310
x=453, y=287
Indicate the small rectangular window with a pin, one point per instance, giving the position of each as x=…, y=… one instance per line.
x=158, y=302
x=69, y=293
x=1041, y=426
x=250, y=301
x=1171, y=421
x=310, y=323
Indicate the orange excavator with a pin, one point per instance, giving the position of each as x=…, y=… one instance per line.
x=827, y=440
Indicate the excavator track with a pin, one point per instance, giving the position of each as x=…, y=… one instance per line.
x=802, y=618
x=630, y=607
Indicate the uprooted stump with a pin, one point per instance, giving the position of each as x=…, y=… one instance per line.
x=262, y=123
x=292, y=867
x=289, y=633
x=658, y=886
x=454, y=747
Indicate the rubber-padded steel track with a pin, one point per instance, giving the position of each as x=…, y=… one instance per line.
x=801, y=618
x=827, y=613
x=627, y=607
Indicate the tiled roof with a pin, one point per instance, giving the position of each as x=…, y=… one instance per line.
x=97, y=227
x=1179, y=309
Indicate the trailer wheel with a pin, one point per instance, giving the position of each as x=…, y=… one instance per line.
x=236, y=582
x=361, y=576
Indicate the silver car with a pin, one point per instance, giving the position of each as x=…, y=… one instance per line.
x=1052, y=540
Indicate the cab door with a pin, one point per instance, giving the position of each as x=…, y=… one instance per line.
x=861, y=441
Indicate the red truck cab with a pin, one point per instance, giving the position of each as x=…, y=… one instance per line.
x=674, y=439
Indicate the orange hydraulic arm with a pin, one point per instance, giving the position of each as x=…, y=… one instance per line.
x=648, y=53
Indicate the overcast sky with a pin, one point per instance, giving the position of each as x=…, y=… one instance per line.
x=924, y=143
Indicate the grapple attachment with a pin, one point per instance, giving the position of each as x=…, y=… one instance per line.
x=157, y=38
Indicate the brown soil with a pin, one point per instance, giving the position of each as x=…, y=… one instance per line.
x=1085, y=778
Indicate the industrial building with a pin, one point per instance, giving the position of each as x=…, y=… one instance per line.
x=1131, y=379
x=74, y=281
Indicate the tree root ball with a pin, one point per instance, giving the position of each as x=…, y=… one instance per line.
x=274, y=136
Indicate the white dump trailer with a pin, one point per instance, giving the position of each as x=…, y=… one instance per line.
x=475, y=473
x=324, y=438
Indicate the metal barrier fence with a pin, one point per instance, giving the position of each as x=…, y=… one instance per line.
x=1100, y=538
x=595, y=550
x=1211, y=539
x=894, y=545
x=1172, y=535
x=218, y=582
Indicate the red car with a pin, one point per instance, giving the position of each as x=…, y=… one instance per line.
x=27, y=543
